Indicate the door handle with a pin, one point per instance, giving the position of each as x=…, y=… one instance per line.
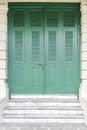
x=42, y=64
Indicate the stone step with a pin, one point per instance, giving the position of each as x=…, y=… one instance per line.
x=51, y=112
x=43, y=108
x=44, y=104
x=42, y=100
x=80, y=116
x=47, y=119
x=46, y=96
x=42, y=115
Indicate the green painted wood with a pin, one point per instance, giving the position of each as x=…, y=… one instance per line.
x=44, y=49
x=36, y=81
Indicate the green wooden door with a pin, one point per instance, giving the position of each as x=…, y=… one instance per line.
x=52, y=74
x=44, y=50
x=35, y=34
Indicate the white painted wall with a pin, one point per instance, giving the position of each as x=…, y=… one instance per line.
x=83, y=86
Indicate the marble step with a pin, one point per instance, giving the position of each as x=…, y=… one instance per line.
x=40, y=118
x=80, y=116
x=45, y=104
x=43, y=108
x=46, y=96
x=43, y=100
x=51, y=112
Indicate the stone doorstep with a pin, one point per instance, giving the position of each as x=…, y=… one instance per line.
x=61, y=115
x=33, y=120
x=38, y=111
x=48, y=96
x=43, y=104
x=43, y=108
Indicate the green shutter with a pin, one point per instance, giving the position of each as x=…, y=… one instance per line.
x=69, y=19
x=18, y=19
x=36, y=26
x=18, y=28
x=35, y=46
x=52, y=46
x=52, y=21
x=19, y=46
x=68, y=46
x=35, y=18
x=52, y=18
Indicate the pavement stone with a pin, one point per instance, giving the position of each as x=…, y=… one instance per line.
x=27, y=128
x=56, y=125
x=78, y=125
x=2, y=128
x=75, y=128
x=35, y=124
x=42, y=129
x=12, y=128
x=82, y=128
x=57, y=128
x=42, y=126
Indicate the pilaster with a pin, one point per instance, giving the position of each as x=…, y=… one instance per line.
x=3, y=48
x=83, y=86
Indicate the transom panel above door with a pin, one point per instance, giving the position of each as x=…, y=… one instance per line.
x=44, y=50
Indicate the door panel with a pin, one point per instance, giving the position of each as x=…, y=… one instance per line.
x=68, y=60
x=51, y=60
x=17, y=52
x=51, y=51
x=44, y=51
x=69, y=63
x=36, y=43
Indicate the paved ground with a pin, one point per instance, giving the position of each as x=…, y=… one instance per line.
x=43, y=126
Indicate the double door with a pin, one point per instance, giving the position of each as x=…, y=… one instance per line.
x=44, y=51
